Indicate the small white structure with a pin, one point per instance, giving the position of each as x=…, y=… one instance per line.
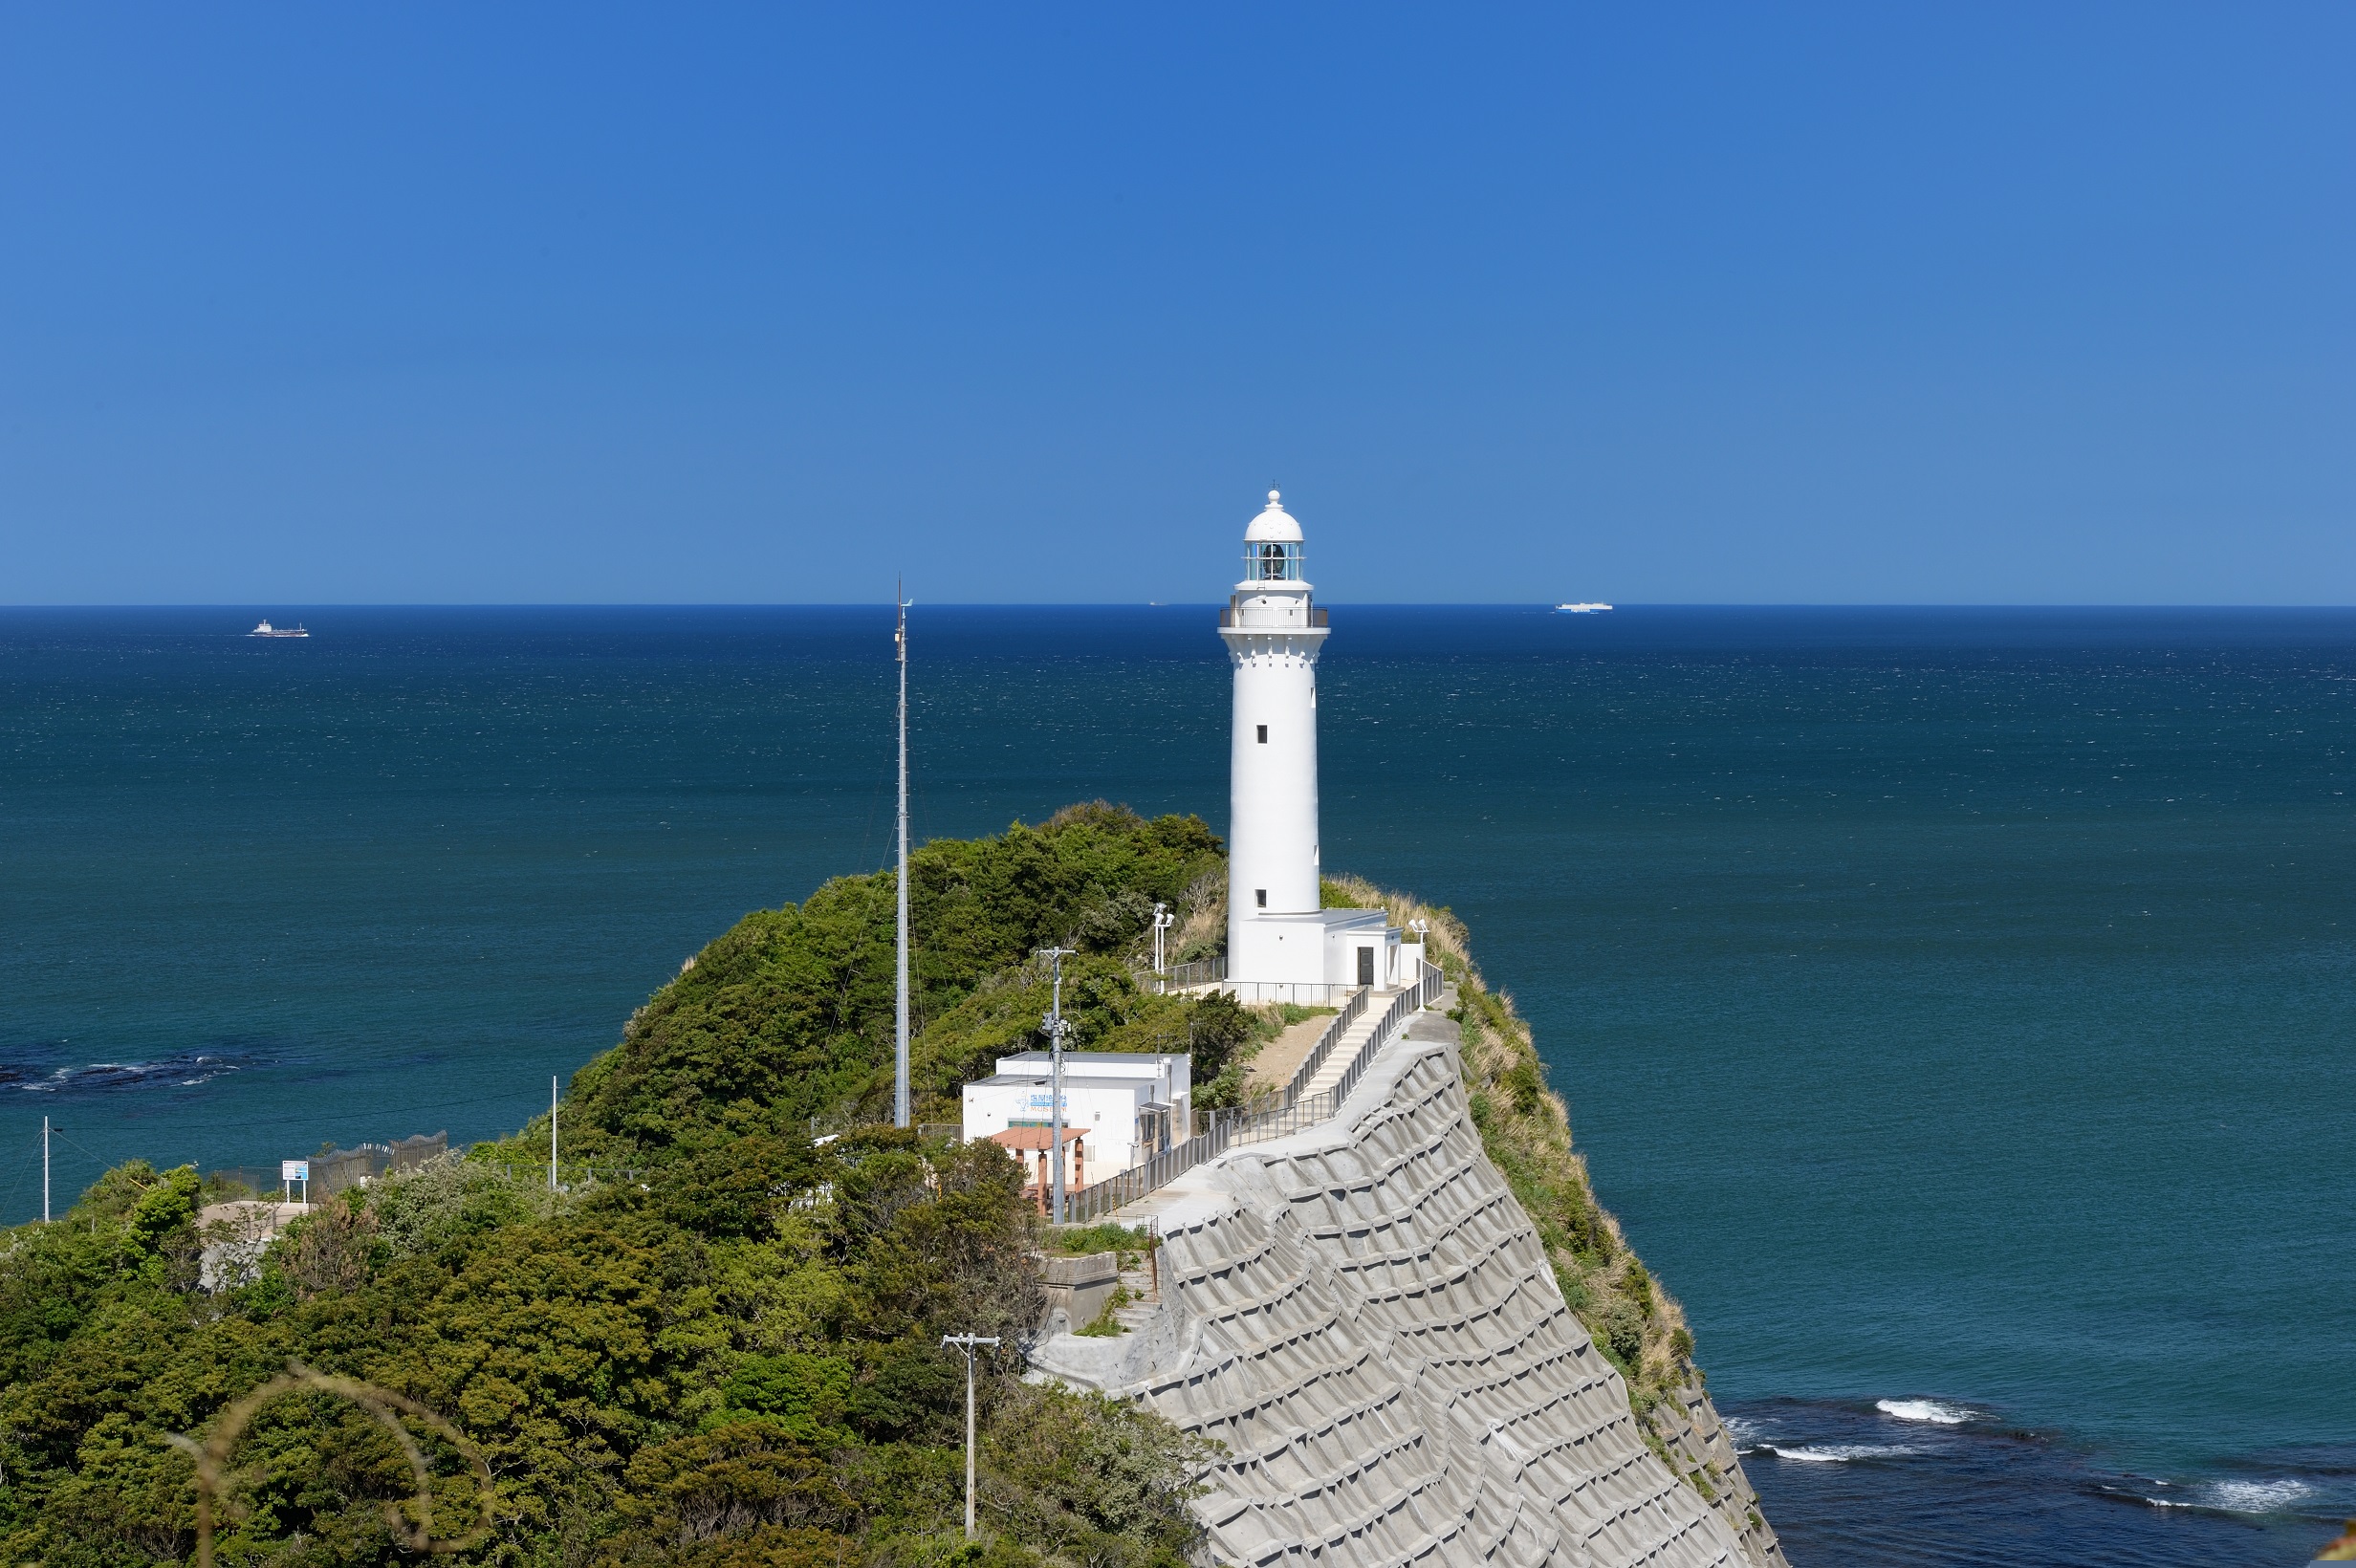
x=1281, y=945
x=1119, y=1107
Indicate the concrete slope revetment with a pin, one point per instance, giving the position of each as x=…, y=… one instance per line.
x=1363, y=1317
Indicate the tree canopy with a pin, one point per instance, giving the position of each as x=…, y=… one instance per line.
x=729, y=1357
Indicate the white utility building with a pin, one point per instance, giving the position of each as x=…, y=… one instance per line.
x=1119, y=1107
x=1282, y=946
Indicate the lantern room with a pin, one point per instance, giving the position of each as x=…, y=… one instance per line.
x=1272, y=546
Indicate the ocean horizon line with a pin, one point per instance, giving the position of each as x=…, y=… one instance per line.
x=1615, y=607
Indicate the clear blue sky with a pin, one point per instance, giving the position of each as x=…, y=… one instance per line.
x=1892, y=303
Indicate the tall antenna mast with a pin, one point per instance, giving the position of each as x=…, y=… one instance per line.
x=1056, y=1212
x=900, y=1022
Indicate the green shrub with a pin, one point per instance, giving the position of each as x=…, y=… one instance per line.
x=731, y=1359
x=1103, y=1236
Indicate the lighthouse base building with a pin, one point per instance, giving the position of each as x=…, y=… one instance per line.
x=1282, y=945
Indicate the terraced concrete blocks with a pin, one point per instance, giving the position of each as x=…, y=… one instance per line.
x=1365, y=1319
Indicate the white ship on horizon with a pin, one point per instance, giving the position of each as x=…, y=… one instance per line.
x=266, y=629
x=1581, y=609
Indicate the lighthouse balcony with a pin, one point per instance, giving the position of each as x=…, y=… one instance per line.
x=1274, y=617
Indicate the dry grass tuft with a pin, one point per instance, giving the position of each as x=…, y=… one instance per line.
x=1202, y=919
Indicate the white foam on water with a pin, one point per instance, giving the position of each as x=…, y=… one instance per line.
x=2254, y=1496
x=1839, y=1454
x=1742, y=1434
x=1925, y=1409
x=2240, y=1497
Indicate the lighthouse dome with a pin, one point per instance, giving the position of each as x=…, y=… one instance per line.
x=1272, y=525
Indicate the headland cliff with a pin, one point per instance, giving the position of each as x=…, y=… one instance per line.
x=715, y=1339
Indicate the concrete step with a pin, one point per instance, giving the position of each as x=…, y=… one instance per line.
x=1345, y=1049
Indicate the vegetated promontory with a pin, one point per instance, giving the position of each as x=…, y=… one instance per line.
x=719, y=1344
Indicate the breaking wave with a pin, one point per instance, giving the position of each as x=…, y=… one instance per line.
x=2241, y=1497
x=1925, y=1409
x=1839, y=1454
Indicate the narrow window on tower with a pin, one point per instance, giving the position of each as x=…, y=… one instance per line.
x=1263, y=734
x=1260, y=896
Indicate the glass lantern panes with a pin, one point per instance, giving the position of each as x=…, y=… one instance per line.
x=1272, y=562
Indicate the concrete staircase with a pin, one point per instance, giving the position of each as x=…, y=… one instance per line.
x=1353, y=1039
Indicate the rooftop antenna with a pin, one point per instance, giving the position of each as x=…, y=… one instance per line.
x=1055, y=1028
x=900, y=1015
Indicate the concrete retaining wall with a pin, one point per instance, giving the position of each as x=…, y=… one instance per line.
x=1364, y=1316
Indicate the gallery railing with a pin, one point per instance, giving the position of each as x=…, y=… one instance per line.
x=1295, y=1112
x=1272, y=620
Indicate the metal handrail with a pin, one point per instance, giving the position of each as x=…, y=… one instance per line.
x=1306, y=1074
x=1200, y=972
x=1412, y=1000
x=1298, y=992
x=1232, y=1129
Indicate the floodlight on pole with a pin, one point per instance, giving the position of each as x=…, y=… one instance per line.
x=968, y=1343
x=1056, y=1030
x=1162, y=921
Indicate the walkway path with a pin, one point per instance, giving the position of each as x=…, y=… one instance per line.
x=1280, y=1058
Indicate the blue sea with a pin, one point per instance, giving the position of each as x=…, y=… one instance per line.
x=1958, y=1007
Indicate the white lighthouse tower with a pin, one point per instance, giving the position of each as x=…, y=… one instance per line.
x=1281, y=945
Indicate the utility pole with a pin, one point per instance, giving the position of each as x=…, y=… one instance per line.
x=45, y=1170
x=1054, y=1074
x=969, y=1343
x=552, y=1132
x=899, y=1020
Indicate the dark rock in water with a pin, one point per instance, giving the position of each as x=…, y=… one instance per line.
x=1855, y=1486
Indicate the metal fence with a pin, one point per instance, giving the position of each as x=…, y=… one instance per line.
x=1348, y=1015
x=1300, y=994
x=1296, y=1112
x=1211, y=973
x=338, y=1168
x=1178, y=977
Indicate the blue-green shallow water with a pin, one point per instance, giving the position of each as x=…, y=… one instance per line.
x=1952, y=1004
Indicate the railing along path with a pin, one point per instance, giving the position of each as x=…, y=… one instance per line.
x=1295, y=1112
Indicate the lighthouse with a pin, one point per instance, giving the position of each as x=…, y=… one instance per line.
x=1281, y=945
